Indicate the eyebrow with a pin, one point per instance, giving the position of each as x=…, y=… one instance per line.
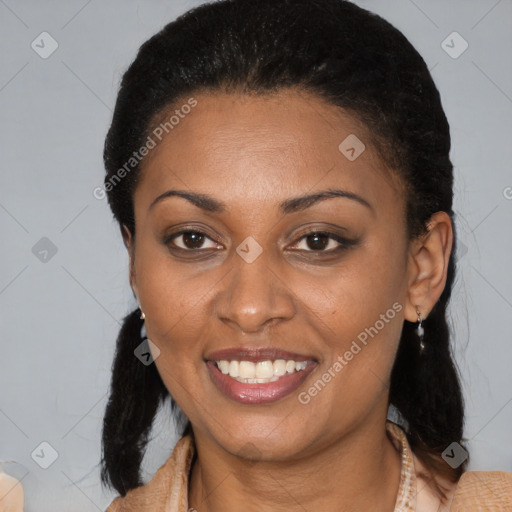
x=295, y=204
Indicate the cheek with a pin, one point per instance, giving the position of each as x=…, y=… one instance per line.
x=175, y=301
x=359, y=324
x=354, y=296
x=169, y=290
x=176, y=305
x=359, y=312
x=359, y=319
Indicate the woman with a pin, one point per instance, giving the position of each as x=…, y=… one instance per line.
x=280, y=173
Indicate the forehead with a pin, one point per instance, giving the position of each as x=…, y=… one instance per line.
x=239, y=147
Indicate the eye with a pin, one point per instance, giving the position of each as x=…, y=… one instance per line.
x=320, y=241
x=191, y=240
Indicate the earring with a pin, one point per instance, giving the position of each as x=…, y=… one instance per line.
x=420, y=331
x=142, y=315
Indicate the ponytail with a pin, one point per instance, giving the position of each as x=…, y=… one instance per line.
x=136, y=392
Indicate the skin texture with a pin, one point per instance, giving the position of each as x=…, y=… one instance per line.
x=252, y=153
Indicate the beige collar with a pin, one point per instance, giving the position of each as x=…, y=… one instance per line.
x=406, y=497
x=168, y=489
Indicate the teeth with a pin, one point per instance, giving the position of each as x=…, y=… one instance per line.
x=264, y=369
x=261, y=372
x=224, y=367
x=279, y=367
x=234, y=369
x=247, y=370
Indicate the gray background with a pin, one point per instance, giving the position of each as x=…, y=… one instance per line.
x=60, y=315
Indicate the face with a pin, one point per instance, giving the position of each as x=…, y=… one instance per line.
x=255, y=256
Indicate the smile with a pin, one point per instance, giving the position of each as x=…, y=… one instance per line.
x=261, y=382
x=260, y=372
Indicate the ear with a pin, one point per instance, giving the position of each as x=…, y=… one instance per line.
x=129, y=242
x=428, y=266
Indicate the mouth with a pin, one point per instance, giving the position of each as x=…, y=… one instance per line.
x=256, y=376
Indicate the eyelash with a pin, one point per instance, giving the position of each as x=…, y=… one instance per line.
x=344, y=243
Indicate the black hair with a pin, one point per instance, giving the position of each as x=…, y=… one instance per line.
x=355, y=60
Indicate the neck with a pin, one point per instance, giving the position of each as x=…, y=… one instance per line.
x=360, y=471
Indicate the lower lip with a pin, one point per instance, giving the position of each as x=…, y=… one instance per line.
x=258, y=393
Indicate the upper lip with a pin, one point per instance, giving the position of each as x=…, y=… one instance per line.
x=256, y=354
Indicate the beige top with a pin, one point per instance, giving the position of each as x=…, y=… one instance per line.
x=476, y=491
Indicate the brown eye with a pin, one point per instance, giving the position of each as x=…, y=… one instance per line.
x=193, y=240
x=317, y=241
x=190, y=240
x=321, y=242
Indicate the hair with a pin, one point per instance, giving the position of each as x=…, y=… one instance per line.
x=354, y=60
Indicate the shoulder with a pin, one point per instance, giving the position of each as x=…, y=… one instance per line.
x=169, y=484
x=475, y=491
x=483, y=490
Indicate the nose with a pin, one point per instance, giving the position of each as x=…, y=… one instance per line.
x=254, y=296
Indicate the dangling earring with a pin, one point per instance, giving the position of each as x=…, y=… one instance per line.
x=420, y=331
x=143, y=326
